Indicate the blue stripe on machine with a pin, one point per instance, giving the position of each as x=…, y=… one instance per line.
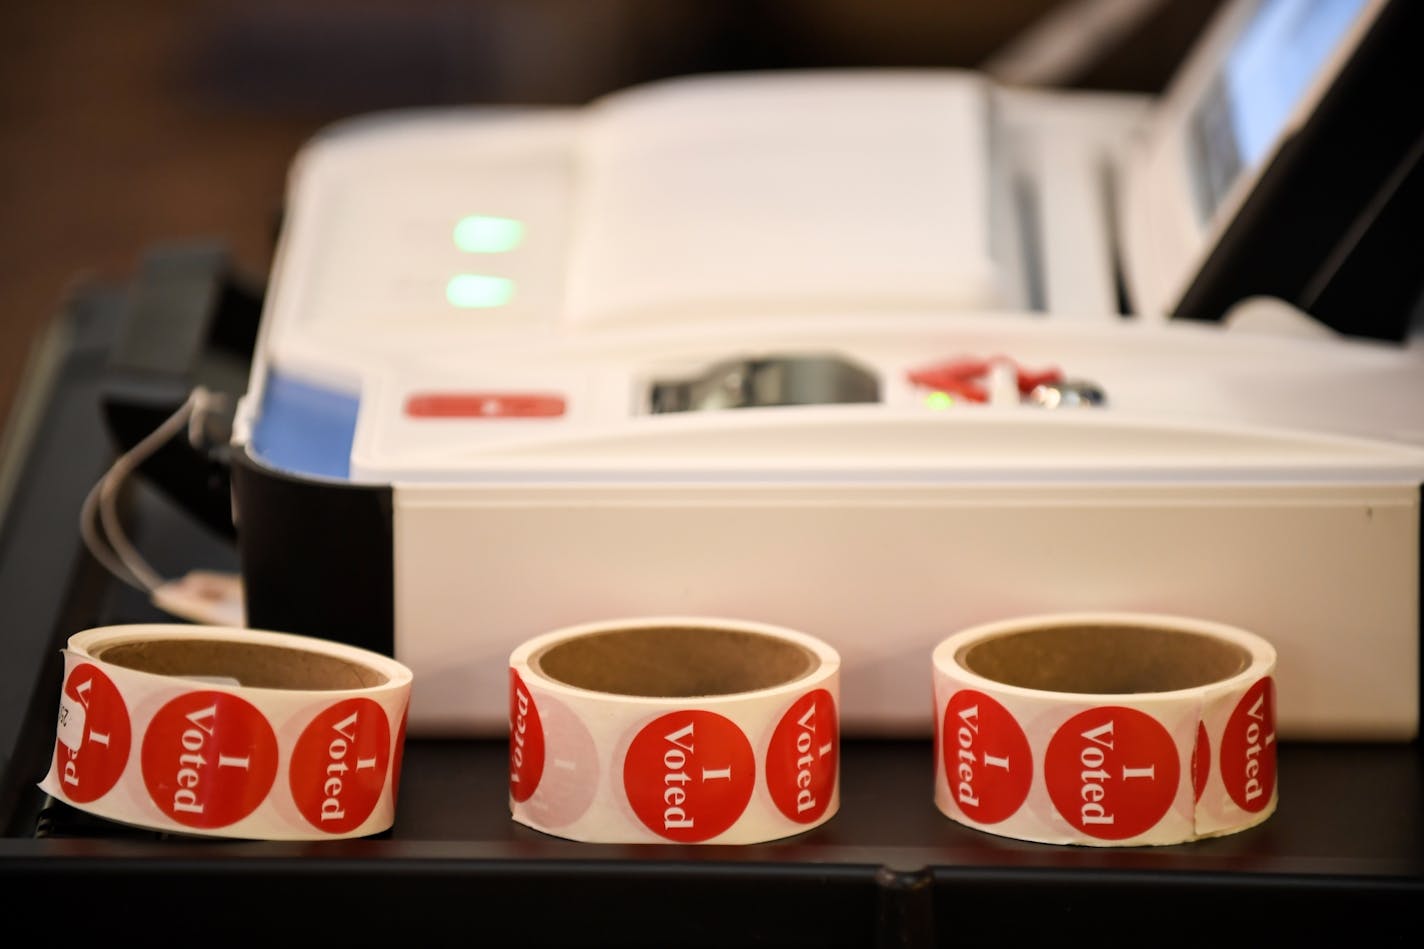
x=305, y=428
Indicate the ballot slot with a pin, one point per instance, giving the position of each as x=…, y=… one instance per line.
x=742, y=382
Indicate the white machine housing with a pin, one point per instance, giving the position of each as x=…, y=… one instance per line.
x=1262, y=471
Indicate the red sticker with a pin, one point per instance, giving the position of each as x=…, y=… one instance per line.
x=1112, y=772
x=1248, y=748
x=802, y=759
x=209, y=759
x=987, y=760
x=526, y=741
x=94, y=735
x=689, y=775
x=1201, y=762
x=339, y=765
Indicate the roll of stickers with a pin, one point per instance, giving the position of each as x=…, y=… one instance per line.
x=225, y=732
x=1105, y=729
x=674, y=730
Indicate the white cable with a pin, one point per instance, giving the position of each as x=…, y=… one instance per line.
x=97, y=545
x=111, y=547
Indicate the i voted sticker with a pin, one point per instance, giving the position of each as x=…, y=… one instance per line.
x=209, y=759
x=93, y=735
x=803, y=758
x=689, y=775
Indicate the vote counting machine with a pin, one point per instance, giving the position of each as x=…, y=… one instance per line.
x=873, y=354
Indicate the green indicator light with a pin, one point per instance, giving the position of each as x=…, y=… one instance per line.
x=482, y=234
x=939, y=400
x=472, y=290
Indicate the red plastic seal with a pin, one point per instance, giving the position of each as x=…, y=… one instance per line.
x=209, y=759
x=1248, y=747
x=339, y=765
x=803, y=756
x=1201, y=762
x=1112, y=772
x=987, y=759
x=92, y=746
x=526, y=741
x=689, y=775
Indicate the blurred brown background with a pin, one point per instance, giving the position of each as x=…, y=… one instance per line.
x=127, y=124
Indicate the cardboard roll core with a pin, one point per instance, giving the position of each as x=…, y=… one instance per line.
x=1097, y=659
x=253, y=665
x=675, y=661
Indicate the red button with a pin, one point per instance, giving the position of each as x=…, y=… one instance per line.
x=485, y=405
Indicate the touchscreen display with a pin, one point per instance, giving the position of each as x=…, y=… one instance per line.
x=1267, y=69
